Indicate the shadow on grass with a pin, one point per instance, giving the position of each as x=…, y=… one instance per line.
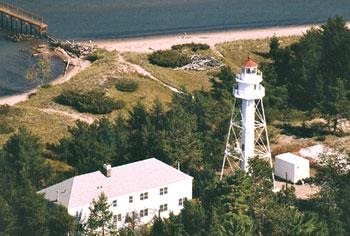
x=304, y=131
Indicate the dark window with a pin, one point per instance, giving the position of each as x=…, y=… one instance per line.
x=163, y=191
x=144, y=196
x=131, y=199
x=114, y=203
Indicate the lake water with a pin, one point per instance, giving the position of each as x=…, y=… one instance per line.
x=103, y=19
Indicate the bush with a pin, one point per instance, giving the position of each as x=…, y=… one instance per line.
x=6, y=128
x=95, y=101
x=96, y=55
x=127, y=85
x=193, y=46
x=45, y=86
x=169, y=58
x=4, y=109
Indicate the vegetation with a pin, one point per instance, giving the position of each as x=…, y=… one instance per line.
x=127, y=85
x=94, y=101
x=169, y=58
x=96, y=55
x=22, y=172
x=101, y=218
x=191, y=132
x=193, y=46
x=313, y=73
x=41, y=70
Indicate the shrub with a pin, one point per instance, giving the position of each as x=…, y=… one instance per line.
x=169, y=58
x=127, y=85
x=45, y=86
x=4, y=109
x=193, y=46
x=6, y=128
x=95, y=101
x=95, y=55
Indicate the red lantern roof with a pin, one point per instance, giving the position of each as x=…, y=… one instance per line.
x=249, y=63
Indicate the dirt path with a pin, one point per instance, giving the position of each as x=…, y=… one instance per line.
x=304, y=191
x=140, y=70
x=73, y=115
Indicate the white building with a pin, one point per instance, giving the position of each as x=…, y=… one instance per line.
x=291, y=167
x=149, y=187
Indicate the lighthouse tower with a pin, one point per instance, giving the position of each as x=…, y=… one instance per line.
x=247, y=136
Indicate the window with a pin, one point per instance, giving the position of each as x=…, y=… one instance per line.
x=163, y=191
x=115, y=218
x=119, y=217
x=163, y=207
x=144, y=196
x=131, y=199
x=254, y=86
x=144, y=213
x=182, y=200
x=114, y=203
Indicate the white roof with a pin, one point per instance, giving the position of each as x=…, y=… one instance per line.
x=126, y=179
x=292, y=158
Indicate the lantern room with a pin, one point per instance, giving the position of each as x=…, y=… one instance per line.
x=248, y=82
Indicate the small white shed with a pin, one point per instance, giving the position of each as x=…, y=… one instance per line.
x=291, y=167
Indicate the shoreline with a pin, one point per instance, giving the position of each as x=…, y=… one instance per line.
x=152, y=43
x=76, y=65
x=149, y=44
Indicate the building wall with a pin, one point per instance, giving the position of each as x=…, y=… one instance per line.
x=282, y=167
x=295, y=171
x=302, y=170
x=175, y=191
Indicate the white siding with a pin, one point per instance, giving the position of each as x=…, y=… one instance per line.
x=295, y=167
x=175, y=191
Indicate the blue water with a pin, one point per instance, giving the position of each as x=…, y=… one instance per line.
x=101, y=19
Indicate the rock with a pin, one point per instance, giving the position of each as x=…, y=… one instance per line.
x=73, y=49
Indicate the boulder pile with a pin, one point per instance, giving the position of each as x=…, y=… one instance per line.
x=201, y=63
x=73, y=49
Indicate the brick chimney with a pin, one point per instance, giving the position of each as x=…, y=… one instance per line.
x=107, y=170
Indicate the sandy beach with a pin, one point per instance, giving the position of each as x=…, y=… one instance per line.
x=149, y=44
x=152, y=43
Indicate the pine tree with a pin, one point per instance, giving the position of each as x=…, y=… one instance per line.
x=100, y=221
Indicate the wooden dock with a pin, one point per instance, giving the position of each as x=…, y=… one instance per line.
x=19, y=21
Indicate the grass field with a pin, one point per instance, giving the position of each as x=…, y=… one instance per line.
x=103, y=73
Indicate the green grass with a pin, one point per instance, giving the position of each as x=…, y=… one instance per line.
x=104, y=74
x=191, y=80
x=236, y=52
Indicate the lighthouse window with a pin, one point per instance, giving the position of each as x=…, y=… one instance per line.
x=248, y=71
x=242, y=147
x=254, y=86
x=253, y=71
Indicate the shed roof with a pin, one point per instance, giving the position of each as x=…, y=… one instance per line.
x=292, y=158
x=126, y=179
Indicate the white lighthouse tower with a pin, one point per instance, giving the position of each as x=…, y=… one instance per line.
x=247, y=136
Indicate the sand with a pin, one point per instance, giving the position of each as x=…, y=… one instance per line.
x=149, y=44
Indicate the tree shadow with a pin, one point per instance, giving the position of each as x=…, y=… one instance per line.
x=304, y=131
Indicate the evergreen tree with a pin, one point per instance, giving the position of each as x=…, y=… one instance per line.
x=193, y=218
x=22, y=152
x=100, y=221
x=7, y=219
